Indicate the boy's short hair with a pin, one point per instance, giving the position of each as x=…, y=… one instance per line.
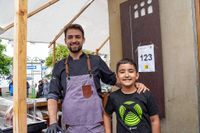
x=126, y=61
x=74, y=26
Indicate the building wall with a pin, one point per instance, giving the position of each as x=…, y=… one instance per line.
x=180, y=62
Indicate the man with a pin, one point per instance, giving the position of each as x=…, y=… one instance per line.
x=76, y=81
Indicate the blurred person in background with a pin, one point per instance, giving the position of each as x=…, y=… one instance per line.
x=45, y=87
x=40, y=89
x=11, y=88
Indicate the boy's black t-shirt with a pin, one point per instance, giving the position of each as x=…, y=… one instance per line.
x=133, y=111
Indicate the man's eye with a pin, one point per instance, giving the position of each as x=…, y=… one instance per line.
x=73, y=36
x=69, y=37
x=78, y=36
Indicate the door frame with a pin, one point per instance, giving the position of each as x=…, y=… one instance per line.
x=197, y=15
x=197, y=12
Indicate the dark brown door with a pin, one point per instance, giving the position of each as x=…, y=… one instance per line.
x=140, y=22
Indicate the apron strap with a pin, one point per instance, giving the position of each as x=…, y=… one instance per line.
x=88, y=65
x=67, y=67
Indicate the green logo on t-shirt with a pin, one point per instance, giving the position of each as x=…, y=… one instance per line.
x=131, y=113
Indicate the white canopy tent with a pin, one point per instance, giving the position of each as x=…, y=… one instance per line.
x=46, y=24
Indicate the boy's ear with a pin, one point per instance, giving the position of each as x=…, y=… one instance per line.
x=117, y=78
x=137, y=76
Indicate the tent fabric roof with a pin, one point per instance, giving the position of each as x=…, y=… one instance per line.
x=45, y=25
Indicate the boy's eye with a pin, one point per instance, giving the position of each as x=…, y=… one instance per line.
x=132, y=71
x=122, y=71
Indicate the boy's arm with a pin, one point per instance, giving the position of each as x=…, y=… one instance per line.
x=107, y=122
x=155, y=123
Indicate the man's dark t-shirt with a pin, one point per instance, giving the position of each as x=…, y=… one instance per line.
x=100, y=71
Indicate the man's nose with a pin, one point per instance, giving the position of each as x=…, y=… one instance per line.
x=73, y=39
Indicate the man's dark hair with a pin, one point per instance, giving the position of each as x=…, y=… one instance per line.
x=126, y=61
x=74, y=26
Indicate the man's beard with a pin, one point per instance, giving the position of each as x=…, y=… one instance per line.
x=75, y=49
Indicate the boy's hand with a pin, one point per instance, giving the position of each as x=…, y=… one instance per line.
x=141, y=87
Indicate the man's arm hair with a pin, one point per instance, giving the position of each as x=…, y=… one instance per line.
x=52, y=109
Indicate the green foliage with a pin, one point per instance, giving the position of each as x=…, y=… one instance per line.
x=5, y=61
x=61, y=52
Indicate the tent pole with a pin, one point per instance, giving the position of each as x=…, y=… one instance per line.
x=20, y=39
x=54, y=53
x=73, y=19
x=98, y=49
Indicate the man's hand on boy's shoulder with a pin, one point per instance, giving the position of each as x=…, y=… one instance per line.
x=141, y=87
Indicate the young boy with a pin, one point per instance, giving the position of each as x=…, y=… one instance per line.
x=136, y=113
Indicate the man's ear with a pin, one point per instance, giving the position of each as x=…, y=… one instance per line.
x=65, y=40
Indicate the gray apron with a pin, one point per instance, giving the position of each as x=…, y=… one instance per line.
x=82, y=107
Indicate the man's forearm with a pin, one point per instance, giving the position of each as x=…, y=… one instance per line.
x=52, y=109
